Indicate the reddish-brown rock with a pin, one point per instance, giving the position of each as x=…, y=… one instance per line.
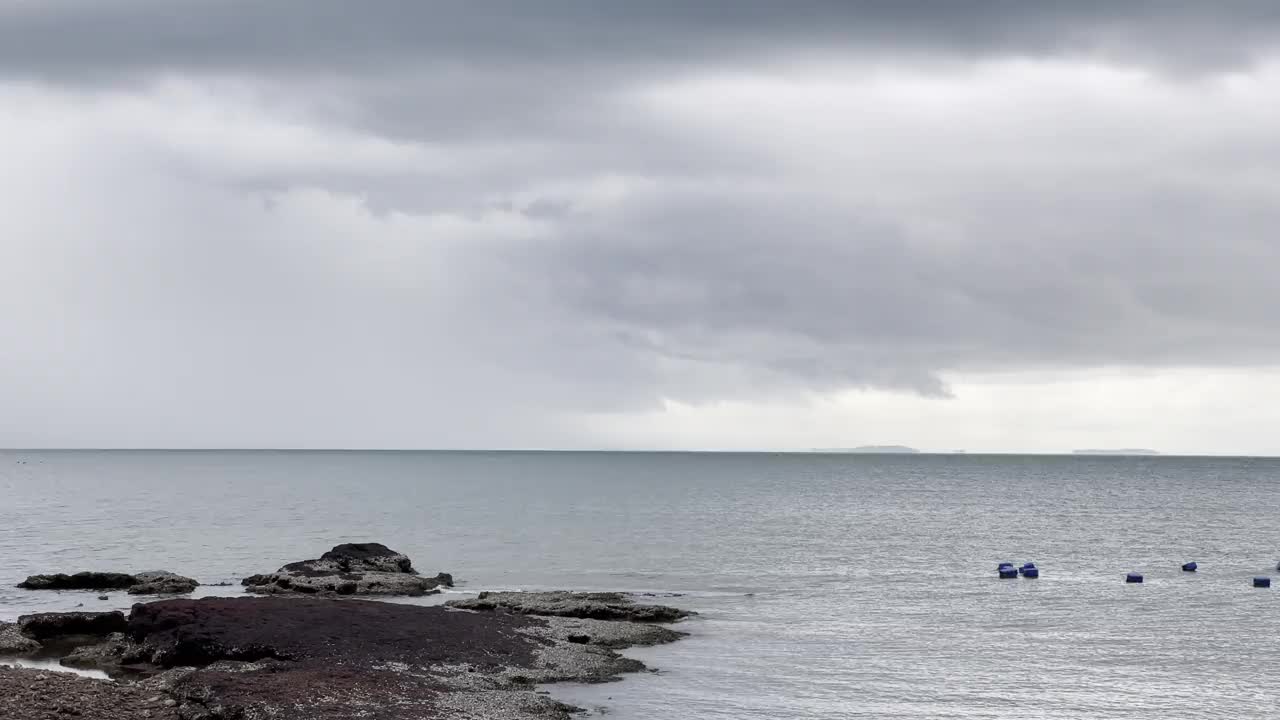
x=42, y=626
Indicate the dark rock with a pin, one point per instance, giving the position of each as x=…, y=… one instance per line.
x=368, y=557
x=79, y=581
x=354, y=633
x=266, y=657
x=103, y=597
x=351, y=569
x=160, y=582
x=47, y=625
x=596, y=606
x=224, y=659
x=13, y=642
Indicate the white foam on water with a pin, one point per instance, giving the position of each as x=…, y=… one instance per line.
x=53, y=666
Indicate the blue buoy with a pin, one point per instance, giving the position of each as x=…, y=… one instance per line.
x=1190, y=567
x=1262, y=582
x=1007, y=573
x=1031, y=572
x=1133, y=577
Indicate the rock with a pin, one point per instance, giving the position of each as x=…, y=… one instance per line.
x=368, y=557
x=351, y=569
x=158, y=582
x=596, y=606
x=79, y=581
x=266, y=657
x=35, y=695
x=611, y=634
x=165, y=681
x=354, y=633
x=109, y=656
x=13, y=642
x=47, y=625
x=161, y=582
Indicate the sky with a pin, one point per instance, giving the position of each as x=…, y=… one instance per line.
x=994, y=225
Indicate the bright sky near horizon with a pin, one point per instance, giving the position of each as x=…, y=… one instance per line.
x=991, y=225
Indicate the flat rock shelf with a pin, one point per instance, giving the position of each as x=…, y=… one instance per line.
x=310, y=651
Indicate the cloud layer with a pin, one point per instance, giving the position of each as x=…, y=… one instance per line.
x=448, y=224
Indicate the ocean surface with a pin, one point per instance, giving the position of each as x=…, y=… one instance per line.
x=829, y=586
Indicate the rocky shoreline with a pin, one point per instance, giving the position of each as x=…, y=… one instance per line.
x=319, y=654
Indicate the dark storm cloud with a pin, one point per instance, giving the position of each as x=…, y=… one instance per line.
x=586, y=36
x=448, y=70
x=483, y=68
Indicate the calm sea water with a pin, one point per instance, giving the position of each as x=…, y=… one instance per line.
x=829, y=585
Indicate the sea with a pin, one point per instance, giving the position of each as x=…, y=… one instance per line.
x=827, y=585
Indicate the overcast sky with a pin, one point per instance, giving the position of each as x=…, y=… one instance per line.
x=995, y=224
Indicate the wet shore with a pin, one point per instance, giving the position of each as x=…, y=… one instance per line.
x=327, y=656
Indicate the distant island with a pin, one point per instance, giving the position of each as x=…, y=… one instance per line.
x=876, y=450
x=1121, y=451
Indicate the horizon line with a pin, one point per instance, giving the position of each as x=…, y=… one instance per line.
x=759, y=451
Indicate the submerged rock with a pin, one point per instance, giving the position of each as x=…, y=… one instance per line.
x=42, y=626
x=158, y=582
x=350, y=569
x=596, y=606
x=13, y=642
x=611, y=633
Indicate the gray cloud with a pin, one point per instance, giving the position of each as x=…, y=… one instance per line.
x=463, y=223
x=327, y=36
x=841, y=297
